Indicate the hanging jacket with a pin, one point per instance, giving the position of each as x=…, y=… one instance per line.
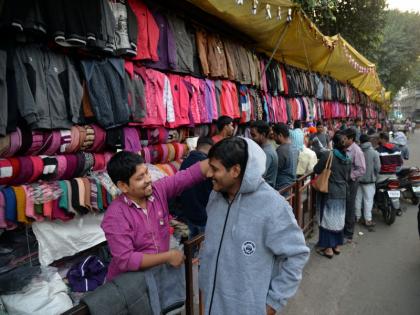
x=166, y=49
x=254, y=251
x=48, y=88
x=18, y=16
x=107, y=91
x=136, y=93
x=204, y=113
x=216, y=58
x=148, y=32
x=125, y=28
x=183, y=43
x=210, y=99
x=202, y=49
x=180, y=98
x=231, y=61
x=196, y=101
x=229, y=101
x=159, y=101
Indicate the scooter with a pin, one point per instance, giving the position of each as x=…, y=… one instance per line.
x=387, y=199
x=409, y=179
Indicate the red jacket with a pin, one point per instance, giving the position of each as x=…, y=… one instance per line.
x=229, y=101
x=181, y=101
x=148, y=32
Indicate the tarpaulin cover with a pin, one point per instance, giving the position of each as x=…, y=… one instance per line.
x=299, y=41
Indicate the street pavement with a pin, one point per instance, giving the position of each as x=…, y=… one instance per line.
x=379, y=274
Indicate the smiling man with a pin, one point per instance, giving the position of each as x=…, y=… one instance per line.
x=136, y=224
x=254, y=251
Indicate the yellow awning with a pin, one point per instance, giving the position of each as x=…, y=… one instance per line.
x=299, y=42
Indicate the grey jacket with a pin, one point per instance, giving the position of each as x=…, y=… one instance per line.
x=373, y=164
x=254, y=251
x=271, y=165
x=127, y=294
x=49, y=91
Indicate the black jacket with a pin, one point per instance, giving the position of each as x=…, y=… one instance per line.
x=107, y=91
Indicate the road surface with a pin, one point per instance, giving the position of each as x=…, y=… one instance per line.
x=377, y=275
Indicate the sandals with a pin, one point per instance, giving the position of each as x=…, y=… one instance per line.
x=323, y=253
x=336, y=252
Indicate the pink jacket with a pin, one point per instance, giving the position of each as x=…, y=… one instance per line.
x=160, y=107
x=196, y=100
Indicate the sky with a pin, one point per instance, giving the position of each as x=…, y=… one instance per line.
x=405, y=5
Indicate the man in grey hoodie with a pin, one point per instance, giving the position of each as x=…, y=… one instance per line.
x=366, y=190
x=254, y=251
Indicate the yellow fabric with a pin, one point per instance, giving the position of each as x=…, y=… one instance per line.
x=20, y=204
x=302, y=44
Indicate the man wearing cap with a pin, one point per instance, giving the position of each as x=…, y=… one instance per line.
x=319, y=140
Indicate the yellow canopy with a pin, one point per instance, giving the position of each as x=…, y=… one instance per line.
x=298, y=42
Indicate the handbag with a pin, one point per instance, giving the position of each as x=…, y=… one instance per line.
x=321, y=182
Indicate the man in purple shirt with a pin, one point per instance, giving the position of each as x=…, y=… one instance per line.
x=358, y=169
x=136, y=224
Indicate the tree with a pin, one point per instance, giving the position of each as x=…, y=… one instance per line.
x=360, y=22
x=389, y=38
x=414, y=79
x=397, y=56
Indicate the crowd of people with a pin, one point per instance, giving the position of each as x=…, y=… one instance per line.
x=362, y=154
x=228, y=189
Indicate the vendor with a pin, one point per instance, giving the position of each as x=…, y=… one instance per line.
x=136, y=224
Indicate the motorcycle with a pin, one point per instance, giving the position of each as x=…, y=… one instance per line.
x=387, y=199
x=409, y=179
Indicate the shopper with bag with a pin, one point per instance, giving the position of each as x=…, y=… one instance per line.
x=334, y=168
